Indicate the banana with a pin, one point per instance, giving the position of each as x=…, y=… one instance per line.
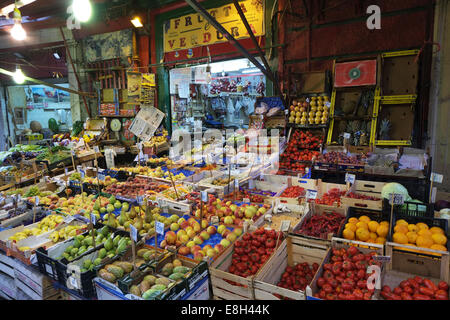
x=54, y=236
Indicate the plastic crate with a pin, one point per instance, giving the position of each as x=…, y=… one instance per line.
x=431, y=222
x=410, y=209
x=48, y=266
x=54, y=268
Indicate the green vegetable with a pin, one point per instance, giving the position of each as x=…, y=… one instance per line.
x=77, y=128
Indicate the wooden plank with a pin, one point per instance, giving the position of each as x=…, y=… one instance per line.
x=422, y=263
x=289, y=253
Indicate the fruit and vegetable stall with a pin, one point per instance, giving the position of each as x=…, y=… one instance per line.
x=167, y=231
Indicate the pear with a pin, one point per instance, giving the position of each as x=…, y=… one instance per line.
x=132, y=213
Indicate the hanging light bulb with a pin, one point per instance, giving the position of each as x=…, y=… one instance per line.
x=17, y=31
x=82, y=10
x=18, y=76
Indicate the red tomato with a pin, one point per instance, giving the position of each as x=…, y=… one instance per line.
x=406, y=296
x=398, y=291
x=426, y=291
x=441, y=295
x=443, y=285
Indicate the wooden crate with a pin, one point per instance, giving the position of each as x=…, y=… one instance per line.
x=338, y=244
x=421, y=262
x=368, y=188
x=225, y=290
x=392, y=278
x=291, y=252
x=314, y=210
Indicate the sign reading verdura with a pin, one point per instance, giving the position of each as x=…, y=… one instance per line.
x=193, y=30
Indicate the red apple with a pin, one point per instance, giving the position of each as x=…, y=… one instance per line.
x=171, y=237
x=198, y=256
x=211, y=230
x=195, y=249
x=218, y=248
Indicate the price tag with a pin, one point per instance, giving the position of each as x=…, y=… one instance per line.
x=68, y=219
x=214, y=220
x=82, y=173
x=382, y=258
x=133, y=233
x=96, y=149
x=308, y=100
x=101, y=176
x=347, y=135
x=159, y=227
x=73, y=282
x=350, y=178
x=285, y=224
x=311, y=194
x=73, y=152
x=36, y=200
x=396, y=199
x=286, y=112
x=435, y=177
x=139, y=145
x=93, y=219
x=140, y=200
x=246, y=200
x=66, y=171
x=49, y=269
x=328, y=104
x=204, y=195
x=236, y=184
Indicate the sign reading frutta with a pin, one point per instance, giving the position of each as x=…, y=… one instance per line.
x=193, y=30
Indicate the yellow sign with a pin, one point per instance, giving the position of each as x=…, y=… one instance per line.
x=194, y=30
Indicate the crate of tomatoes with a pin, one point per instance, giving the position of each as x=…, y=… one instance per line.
x=289, y=271
x=398, y=285
x=343, y=273
x=232, y=274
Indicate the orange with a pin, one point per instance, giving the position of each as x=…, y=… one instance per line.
x=353, y=220
x=413, y=228
x=401, y=222
x=380, y=240
x=348, y=234
x=373, y=236
x=362, y=234
x=351, y=226
x=424, y=242
x=400, y=237
x=371, y=241
x=439, y=238
x=386, y=223
x=382, y=231
x=422, y=225
x=436, y=230
x=373, y=226
x=425, y=233
x=401, y=228
x=412, y=237
x=438, y=247
x=362, y=225
x=365, y=219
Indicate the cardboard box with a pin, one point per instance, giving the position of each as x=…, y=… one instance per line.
x=8, y=286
